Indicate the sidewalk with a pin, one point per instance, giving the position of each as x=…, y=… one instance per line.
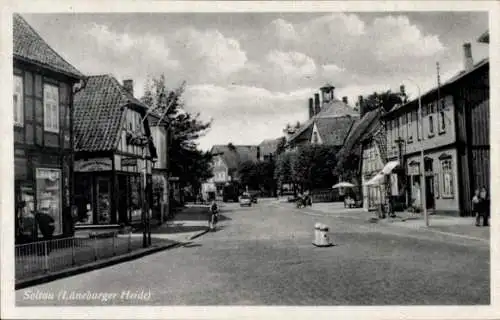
x=457, y=226
x=189, y=223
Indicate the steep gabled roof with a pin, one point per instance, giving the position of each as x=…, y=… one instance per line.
x=99, y=112
x=30, y=47
x=269, y=146
x=363, y=129
x=333, y=131
x=236, y=154
x=485, y=37
x=336, y=108
x=333, y=122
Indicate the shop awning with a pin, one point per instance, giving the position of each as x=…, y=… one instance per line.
x=389, y=166
x=375, y=181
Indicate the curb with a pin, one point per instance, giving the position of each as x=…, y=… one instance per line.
x=198, y=234
x=91, y=266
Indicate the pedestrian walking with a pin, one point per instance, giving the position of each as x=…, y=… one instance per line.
x=46, y=226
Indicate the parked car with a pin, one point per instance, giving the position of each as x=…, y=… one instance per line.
x=245, y=200
x=254, y=195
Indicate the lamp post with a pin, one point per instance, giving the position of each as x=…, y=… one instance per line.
x=422, y=183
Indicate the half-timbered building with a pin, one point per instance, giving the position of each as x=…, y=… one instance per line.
x=44, y=85
x=111, y=169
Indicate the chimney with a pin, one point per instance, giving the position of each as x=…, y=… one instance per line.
x=361, y=106
x=311, y=108
x=344, y=100
x=468, y=61
x=258, y=152
x=317, y=107
x=129, y=86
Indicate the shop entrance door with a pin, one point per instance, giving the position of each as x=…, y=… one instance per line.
x=122, y=199
x=103, y=200
x=429, y=184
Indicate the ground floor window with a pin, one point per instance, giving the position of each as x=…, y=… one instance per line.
x=447, y=176
x=49, y=196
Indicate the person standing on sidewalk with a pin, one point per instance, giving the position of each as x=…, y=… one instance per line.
x=475, y=206
x=484, y=206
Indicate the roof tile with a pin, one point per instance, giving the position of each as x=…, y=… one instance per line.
x=98, y=113
x=29, y=46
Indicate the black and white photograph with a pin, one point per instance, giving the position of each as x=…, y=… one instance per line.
x=269, y=157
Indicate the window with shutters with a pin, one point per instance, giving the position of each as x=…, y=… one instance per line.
x=18, y=101
x=51, y=108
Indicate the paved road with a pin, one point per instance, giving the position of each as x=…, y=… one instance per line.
x=263, y=256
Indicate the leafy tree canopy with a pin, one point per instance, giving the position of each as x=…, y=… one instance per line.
x=188, y=163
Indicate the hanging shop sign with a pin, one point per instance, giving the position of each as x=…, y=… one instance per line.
x=97, y=164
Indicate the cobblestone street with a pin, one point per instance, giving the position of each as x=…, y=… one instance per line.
x=263, y=255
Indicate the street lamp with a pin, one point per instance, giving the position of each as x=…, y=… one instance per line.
x=423, y=196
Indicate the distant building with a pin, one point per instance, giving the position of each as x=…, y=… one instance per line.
x=363, y=156
x=161, y=191
x=268, y=148
x=455, y=140
x=226, y=162
x=330, y=121
x=44, y=86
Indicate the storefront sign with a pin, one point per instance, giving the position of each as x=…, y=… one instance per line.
x=129, y=162
x=101, y=164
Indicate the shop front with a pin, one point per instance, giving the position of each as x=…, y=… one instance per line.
x=41, y=190
x=108, y=191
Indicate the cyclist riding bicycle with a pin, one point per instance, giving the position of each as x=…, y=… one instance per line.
x=214, y=215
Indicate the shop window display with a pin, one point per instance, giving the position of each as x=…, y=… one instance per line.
x=48, y=187
x=25, y=214
x=104, y=203
x=83, y=200
x=135, y=209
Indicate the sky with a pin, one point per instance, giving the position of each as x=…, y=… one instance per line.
x=252, y=73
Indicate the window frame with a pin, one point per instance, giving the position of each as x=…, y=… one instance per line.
x=447, y=190
x=19, y=106
x=51, y=108
x=419, y=123
x=441, y=117
x=409, y=122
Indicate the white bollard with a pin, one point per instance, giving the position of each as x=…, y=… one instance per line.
x=317, y=226
x=322, y=239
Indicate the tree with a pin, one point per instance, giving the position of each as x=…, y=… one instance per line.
x=385, y=99
x=280, y=148
x=283, y=168
x=191, y=165
x=313, y=166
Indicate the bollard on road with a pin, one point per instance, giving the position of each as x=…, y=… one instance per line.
x=321, y=238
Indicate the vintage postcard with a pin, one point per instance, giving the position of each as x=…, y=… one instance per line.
x=249, y=159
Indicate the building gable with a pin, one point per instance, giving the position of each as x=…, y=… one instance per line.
x=28, y=46
x=315, y=135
